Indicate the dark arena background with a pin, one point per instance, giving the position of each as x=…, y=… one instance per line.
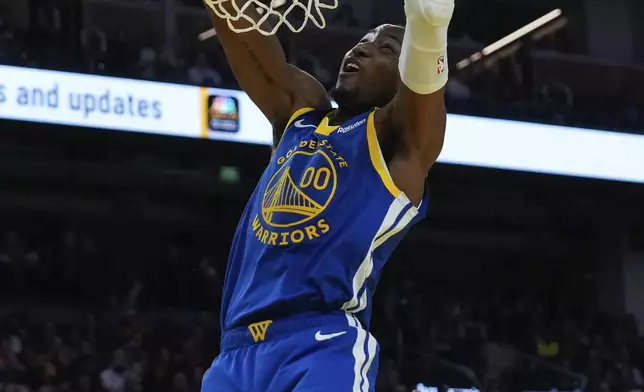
x=121, y=182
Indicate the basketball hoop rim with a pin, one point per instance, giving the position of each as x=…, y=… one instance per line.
x=277, y=10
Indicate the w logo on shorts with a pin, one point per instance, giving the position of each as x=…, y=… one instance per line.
x=258, y=330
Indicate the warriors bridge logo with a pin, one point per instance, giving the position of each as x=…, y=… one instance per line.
x=298, y=193
x=289, y=202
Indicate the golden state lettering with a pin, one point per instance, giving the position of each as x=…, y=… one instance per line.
x=289, y=237
x=312, y=145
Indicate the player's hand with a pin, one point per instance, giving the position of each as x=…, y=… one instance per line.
x=435, y=12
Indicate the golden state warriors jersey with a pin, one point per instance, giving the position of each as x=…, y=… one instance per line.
x=319, y=227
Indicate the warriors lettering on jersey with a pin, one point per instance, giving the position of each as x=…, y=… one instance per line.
x=301, y=188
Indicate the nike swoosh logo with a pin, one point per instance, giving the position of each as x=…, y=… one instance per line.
x=320, y=337
x=299, y=124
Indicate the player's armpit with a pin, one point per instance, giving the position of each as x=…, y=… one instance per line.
x=307, y=93
x=259, y=65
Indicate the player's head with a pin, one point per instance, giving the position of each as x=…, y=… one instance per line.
x=369, y=71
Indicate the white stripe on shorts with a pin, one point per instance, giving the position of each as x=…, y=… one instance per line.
x=371, y=352
x=362, y=362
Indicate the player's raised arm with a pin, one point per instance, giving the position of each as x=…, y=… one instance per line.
x=418, y=109
x=260, y=67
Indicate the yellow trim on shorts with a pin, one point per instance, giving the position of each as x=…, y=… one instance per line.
x=203, y=91
x=377, y=159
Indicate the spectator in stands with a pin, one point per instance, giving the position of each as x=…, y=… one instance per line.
x=630, y=375
x=546, y=344
x=114, y=378
x=7, y=36
x=148, y=61
x=94, y=45
x=121, y=54
x=180, y=383
x=389, y=377
x=557, y=97
x=46, y=17
x=202, y=74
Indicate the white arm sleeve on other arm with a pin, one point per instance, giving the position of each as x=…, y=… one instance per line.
x=423, y=57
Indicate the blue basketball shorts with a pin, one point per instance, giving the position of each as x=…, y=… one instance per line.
x=322, y=353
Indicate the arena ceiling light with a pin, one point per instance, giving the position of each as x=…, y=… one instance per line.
x=510, y=38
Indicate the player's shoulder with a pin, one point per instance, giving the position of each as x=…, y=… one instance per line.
x=308, y=91
x=307, y=117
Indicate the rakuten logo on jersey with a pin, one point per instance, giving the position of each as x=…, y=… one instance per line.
x=351, y=127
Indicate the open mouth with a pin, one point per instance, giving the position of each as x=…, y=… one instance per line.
x=351, y=66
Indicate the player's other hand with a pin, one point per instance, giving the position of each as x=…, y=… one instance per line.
x=435, y=12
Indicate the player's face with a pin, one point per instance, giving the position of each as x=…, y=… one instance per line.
x=369, y=72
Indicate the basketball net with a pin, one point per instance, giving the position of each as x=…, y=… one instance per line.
x=294, y=15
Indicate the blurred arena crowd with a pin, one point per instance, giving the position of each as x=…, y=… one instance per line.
x=88, y=315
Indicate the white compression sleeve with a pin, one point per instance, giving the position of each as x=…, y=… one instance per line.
x=423, y=58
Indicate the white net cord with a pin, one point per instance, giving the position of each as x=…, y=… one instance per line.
x=273, y=15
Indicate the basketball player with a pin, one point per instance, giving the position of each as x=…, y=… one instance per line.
x=342, y=188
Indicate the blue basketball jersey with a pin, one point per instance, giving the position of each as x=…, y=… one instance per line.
x=319, y=227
